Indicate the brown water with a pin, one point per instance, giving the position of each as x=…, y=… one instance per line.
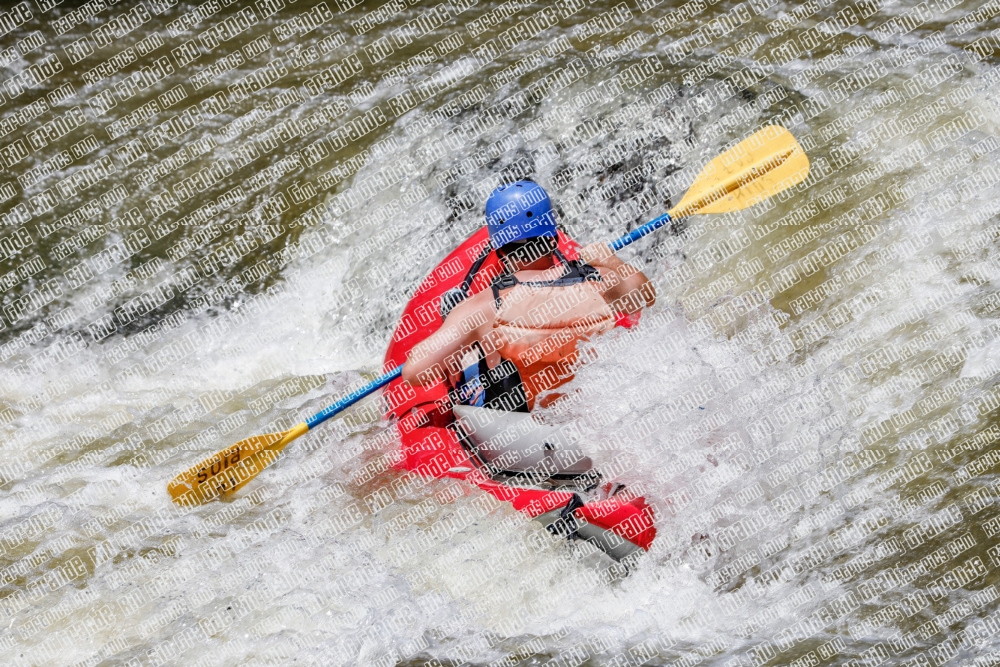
x=213, y=216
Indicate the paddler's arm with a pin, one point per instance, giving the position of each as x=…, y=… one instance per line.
x=627, y=290
x=438, y=355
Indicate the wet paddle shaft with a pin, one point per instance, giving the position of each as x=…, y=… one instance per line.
x=760, y=166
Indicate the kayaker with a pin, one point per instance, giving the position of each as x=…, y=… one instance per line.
x=503, y=347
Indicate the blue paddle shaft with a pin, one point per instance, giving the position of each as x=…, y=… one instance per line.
x=639, y=232
x=353, y=397
x=378, y=383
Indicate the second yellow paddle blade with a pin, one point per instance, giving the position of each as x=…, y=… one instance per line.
x=247, y=470
x=225, y=471
x=762, y=165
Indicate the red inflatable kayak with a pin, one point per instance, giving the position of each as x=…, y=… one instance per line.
x=433, y=443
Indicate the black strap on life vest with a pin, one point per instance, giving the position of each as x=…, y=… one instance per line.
x=474, y=269
x=574, y=271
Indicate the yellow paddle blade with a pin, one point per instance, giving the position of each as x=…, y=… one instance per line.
x=762, y=165
x=250, y=469
x=231, y=469
x=207, y=479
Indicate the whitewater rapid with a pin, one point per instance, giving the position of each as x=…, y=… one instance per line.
x=809, y=407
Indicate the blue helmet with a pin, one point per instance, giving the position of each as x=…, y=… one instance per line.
x=519, y=211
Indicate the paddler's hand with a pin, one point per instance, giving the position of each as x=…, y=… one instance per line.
x=626, y=289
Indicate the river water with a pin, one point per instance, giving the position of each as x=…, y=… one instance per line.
x=213, y=216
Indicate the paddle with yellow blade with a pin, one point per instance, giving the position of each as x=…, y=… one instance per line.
x=760, y=166
x=232, y=468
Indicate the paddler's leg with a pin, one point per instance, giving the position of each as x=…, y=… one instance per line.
x=504, y=388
